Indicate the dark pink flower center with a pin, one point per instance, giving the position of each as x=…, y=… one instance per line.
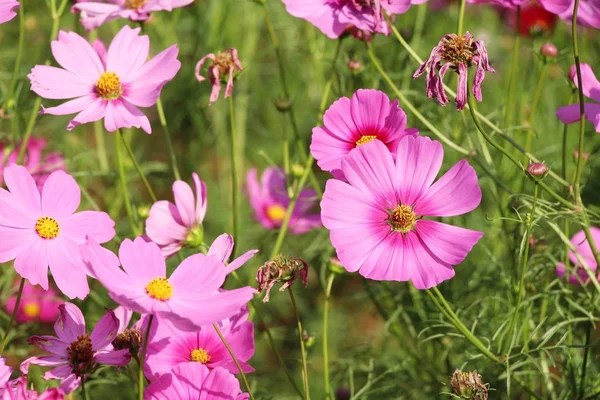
x=81, y=354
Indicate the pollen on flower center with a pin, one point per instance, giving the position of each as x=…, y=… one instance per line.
x=160, y=289
x=402, y=218
x=365, y=139
x=47, y=228
x=81, y=354
x=134, y=4
x=200, y=355
x=276, y=212
x=109, y=86
x=458, y=50
x=32, y=310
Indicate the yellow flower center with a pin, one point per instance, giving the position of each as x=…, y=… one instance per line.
x=47, y=228
x=109, y=86
x=402, y=218
x=160, y=289
x=32, y=310
x=365, y=139
x=134, y=4
x=200, y=355
x=276, y=212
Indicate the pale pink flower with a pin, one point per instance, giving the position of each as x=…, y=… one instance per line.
x=197, y=382
x=76, y=353
x=190, y=297
x=270, y=201
x=7, y=8
x=110, y=89
x=37, y=305
x=577, y=273
x=349, y=123
x=41, y=230
x=96, y=13
x=333, y=17
x=173, y=226
x=591, y=90
x=5, y=372
x=588, y=12
x=222, y=69
x=377, y=219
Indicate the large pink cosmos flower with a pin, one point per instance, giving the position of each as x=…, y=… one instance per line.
x=112, y=89
x=173, y=226
x=376, y=219
x=7, y=8
x=37, y=305
x=577, y=273
x=333, y=17
x=351, y=123
x=190, y=297
x=39, y=165
x=169, y=346
x=41, y=230
x=74, y=352
x=270, y=201
x=194, y=381
x=96, y=13
x=591, y=89
x=588, y=12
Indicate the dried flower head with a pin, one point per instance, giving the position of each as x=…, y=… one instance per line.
x=223, y=66
x=458, y=52
x=468, y=385
x=281, y=269
x=130, y=339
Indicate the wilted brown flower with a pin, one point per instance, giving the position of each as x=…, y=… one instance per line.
x=468, y=385
x=281, y=269
x=128, y=339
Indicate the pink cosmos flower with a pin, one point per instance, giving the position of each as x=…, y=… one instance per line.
x=169, y=346
x=5, y=372
x=333, y=17
x=7, y=10
x=96, y=13
x=591, y=89
x=269, y=200
x=190, y=297
x=588, y=12
x=351, y=123
x=501, y=3
x=223, y=66
x=173, y=226
x=39, y=165
x=37, y=305
x=41, y=230
x=376, y=220
x=456, y=52
x=577, y=273
x=222, y=248
x=74, y=352
x=110, y=89
x=17, y=388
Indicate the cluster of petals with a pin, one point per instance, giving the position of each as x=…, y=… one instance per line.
x=74, y=353
x=591, y=90
x=42, y=230
x=349, y=123
x=269, y=200
x=223, y=67
x=37, y=305
x=105, y=84
x=96, y=13
x=588, y=12
x=334, y=17
x=376, y=218
x=577, y=273
x=7, y=10
x=17, y=389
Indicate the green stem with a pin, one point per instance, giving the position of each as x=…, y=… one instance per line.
x=83, y=392
x=101, y=146
x=137, y=166
x=235, y=360
x=143, y=359
x=234, y=175
x=537, y=94
x=302, y=348
x=514, y=65
x=325, y=338
x=586, y=352
x=9, y=103
x=165, y=127
x=461, y=17
x=581, y=103
x=124, y=190
x=12, y=317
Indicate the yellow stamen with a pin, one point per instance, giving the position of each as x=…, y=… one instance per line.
x=109, y=86
x=403, y=218
x=276, y=212
x=160, y=289
x=134, y=4
x=47, y=228
x=32, y=310
x=365, y=139
x=200, y=355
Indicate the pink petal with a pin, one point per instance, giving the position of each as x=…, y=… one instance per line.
x=328, y=149
x=221, y=247
x=105, y=331
x=426, y=270
x=70, y=383
x=222, y=382
x=185, y=202
x=70, y=323
x=68, y=269
x=61, y=195
x=338, y=121
x=91, y=113
x=116, y=358
x=141, y=260
x=591, y=85
x=387, y=260
x=122, y=114
x=370, y=109
x=127, y=53
x=43, y=361
x=50, y=344
x=241, y=260
x=124, y=316
x=164, y=225
x=448, y=243
x=95, y=225
x=61, y=372
x=160, y=69
x=76, y=55
x=33, y=264
x=14, y=242
x=56, y=83
x=201, y=197
x=198, y=274
x=71, y=106
x=23, y=188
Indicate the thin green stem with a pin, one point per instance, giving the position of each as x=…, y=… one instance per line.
x=9, y=103
x=564, y=154
x=137, y=166
x=124, y=190
x=586, y=353
x=165, y=127
x=514, y=66
x=83, y=392
x=235, y=188
x=143, y=359
x=11, y=321
x=578, y=168
x=537, y=94
x=461, y=17
x=302, y=348
x=325, y=337
x=235, y=360
x=100, y=146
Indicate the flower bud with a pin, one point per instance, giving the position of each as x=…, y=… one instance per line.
x=585, y=155
x=537, y=169
x=143, y=211
x=335, y=266
x=342, y=394
x=297, y=170
x=549, y=50
x=128, y=339
x=355, y=66
x=283, y=104
x=195, y=237
x=468, y=385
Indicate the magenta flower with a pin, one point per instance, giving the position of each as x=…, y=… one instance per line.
x=190, y=297
x=7, y=8
x=577, y=273
x=459, y=53
x=74, y=352
x=194, y=381
x=269, y=200
x=96, y=13
x=5, y=372
x=169, y=346
x=37, y=305
x=41, y=230
x=351, y=123
x=501, y=3
x=333, y=17
x=111, y=89
x=588, y=12
x=222, y=68
x=40, y=166
x=376, y=220
x=173, y=226
x=591, y=89
x=222, y=248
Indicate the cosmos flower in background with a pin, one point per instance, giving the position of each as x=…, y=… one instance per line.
x=535, y=20
x=37, y=304
x=223, y=66
x=270, y=201
x=588, y=12
x=591, y=89
x=112, y=89
x=377, y=219
x=501, y=3
x=577, y=273
x=42, y=230
x=96, y=13
x=7, y=10
x=349, y=123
